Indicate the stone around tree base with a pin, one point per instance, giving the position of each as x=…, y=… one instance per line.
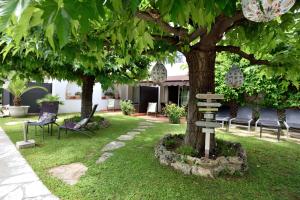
x=25, y=144
x=104, y=157
x=202, y=166
x=70, y=174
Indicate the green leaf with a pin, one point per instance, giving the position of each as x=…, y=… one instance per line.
x=62, y=27
x=50, y=34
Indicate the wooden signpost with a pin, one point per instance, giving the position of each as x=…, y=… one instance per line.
x=208, y=124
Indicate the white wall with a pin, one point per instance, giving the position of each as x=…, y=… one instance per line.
x=74, y=105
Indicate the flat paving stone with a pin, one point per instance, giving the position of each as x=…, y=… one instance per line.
x=146, y=124
x=125, y=137
x=104, y=157
x=70, y=174
x=133, y=133
x=113, y=145
x=17, y=179
x=139, y=129
x=144, y=127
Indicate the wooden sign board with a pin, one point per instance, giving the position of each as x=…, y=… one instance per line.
x=206, y=104
x=208, y=109
x=207, y=144
x=208, y=130
x=208, y=116
x=210, y=96
x=208, y=124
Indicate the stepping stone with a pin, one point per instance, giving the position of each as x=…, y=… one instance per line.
x=133, y=133
x=144, y=127
x=125, y=137
x=146, y=124
x=113, y=145
x=139, y=129
x=70, y=174
x=104, y=157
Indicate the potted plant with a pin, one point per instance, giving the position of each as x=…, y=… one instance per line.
x=49, y=98
x=17, y=87
x=127, y=107
x=174, y=113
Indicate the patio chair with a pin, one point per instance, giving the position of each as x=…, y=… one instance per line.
x=111, y=104
x=268, y=117
x=47, y=117
x=223, y=115
x=244, y=116
x=79, y=127
x=292, y=119
x=152, y=108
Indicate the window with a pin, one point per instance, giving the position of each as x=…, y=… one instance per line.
x=73, y=91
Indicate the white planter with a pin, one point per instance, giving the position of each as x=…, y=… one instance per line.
x=18, y=111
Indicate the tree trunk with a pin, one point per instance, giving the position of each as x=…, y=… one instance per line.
x=17, y=101
x=87, y=95
x=202, y=80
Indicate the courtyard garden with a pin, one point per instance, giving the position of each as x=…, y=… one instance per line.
x=133, y=172
x=68, y=65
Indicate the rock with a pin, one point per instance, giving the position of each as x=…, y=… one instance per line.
x=113, y=145
x=185, y=168
x=125, y=137
x=25, y=144
x=70, y=174
x=143, y=127
x=235, y=160
x=200, y=171
x=146, y=124
x=139, y=129
x=222, y=160
x=104, y=123
x=104, y=157
x=133, y=133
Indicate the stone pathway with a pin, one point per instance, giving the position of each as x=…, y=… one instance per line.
x=120, y=142
x=17, y=179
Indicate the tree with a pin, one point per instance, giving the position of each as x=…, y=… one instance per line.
x=197, y=28
x=77, y=61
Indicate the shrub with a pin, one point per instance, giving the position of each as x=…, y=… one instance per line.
x=174, y=113
x=49, y=98
x=187, y=150
x=127, y=107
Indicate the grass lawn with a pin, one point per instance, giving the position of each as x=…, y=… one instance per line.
x=134, y=173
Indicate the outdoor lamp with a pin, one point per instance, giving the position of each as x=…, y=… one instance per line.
x=265, y=10
x=234, y=78
x=159, y=73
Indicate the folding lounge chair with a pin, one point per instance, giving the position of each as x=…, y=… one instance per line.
x=152, y=108
x=80, y=127
x=47, y=117
x=292, y=119
x=111, y=104
x=268, y=118
x=223, y=115
x=244, y=116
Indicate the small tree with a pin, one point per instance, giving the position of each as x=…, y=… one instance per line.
x=17, y=87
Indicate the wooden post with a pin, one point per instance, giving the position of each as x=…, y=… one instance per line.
x=208, y=124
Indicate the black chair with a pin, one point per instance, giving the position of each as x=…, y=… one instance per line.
x=223, y=115
x=244, y=116
x=268, y=117
x=47, y=117
x=80, y=127
x=292, y=119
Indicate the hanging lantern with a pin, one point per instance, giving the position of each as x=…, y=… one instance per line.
x=265, y=10
x=159, y=73
x=234, y=78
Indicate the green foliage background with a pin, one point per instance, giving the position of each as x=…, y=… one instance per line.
x=261, y=87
